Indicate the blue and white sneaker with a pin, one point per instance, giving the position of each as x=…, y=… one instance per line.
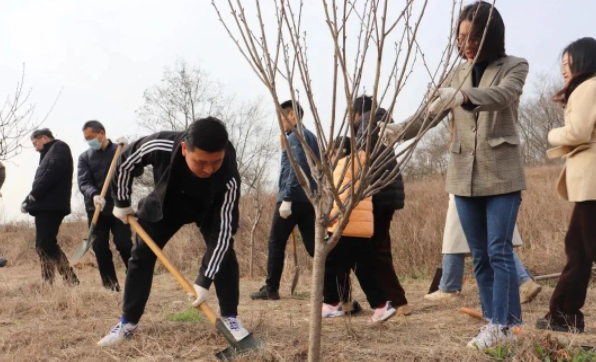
x=331, y=311
x=119, y=333
x=235, y=327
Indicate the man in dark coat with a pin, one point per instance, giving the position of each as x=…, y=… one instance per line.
x=385, y=203
x=196, y=181
x=93, y=168
x=49, y=203
x=293, y=206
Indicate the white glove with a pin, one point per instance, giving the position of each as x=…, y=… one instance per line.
x=24, y=208
x=99, y=201
x=123, y=212
x=201, y=296
x=285, y=210
x=122, y=141
x=448, y=98
x=392, y=132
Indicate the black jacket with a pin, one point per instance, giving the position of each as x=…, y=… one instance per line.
x=52, y=186
x=289, y=187
x=393, y=195
x=218, y=212
x=92, y=170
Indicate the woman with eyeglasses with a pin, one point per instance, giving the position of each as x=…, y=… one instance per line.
x=485, y=172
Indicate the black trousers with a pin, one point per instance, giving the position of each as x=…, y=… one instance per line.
x=383, y=260
x=303, y=215
x=569, y=296
x=51, y=256
x=101, y=246
x=351, y=254
x=142, y=263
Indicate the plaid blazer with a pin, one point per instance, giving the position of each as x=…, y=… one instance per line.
x=485, y=155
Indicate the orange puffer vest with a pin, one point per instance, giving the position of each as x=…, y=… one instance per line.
x=361, y=224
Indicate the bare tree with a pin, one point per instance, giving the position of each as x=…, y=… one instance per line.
x=275, y=46
x=17, y=120
x=537, y=116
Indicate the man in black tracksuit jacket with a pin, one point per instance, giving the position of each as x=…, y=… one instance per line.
x=49, y=203
x=196, y=181
x=385, y=203
x=93, y=168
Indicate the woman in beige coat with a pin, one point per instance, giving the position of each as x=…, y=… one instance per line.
x=576, y=141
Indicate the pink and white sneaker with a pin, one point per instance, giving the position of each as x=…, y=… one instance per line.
x=382, y=314
x=332, y=311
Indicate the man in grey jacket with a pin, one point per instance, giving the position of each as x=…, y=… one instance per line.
x=293, y=206
x=93, y=168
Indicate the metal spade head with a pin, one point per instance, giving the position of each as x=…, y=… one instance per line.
x=85, y=245
x=250, y=344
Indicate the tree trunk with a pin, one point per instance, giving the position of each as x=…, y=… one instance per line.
x=316, y=293
x=259, y=212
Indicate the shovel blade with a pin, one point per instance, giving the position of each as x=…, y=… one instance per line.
x=250, y=344
x=85, y=245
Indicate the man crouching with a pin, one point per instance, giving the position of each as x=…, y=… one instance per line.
x=196, y=180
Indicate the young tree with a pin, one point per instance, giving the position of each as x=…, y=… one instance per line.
x=276, y=48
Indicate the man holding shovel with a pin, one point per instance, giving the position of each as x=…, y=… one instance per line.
x=196, y=181
x=93, y=168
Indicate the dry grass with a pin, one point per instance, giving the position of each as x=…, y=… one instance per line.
x=39, y=323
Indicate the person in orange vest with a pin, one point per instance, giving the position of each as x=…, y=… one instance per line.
x=354, y=249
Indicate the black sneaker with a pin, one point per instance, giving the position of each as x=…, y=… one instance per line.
x=2, y=261
x=552, y=325
x=351, y=308
x=265, y=293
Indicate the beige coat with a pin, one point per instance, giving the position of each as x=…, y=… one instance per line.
x=485, y=152
x=454, y=239
x=576, y=141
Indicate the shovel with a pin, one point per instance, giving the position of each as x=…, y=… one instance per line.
x=296, y=266
x=236, y=348
x=91, y=237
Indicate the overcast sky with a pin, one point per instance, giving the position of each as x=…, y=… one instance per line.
x=102, y=55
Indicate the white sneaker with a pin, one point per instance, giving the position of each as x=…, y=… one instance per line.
x=441, y=296
x=119, y=333
x=490, y=336
x=235, y=327
x=331, y=311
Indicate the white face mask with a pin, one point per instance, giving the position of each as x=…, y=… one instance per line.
x=94, y=144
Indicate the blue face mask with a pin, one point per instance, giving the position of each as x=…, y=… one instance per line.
x=94, y=144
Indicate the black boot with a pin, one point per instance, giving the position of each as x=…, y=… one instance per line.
x=562, y=323
x=66, y=271
x=265, y=293
x=48, y=269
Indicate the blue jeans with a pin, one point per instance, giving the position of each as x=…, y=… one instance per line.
x=453, y=272
x=488, y=223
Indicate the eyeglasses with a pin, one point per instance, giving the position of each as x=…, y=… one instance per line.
x=462, y=39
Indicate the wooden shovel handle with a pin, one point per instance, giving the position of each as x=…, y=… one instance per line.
x=477, y=314
x=293, y=241
x=171, y=268
x=106, y=183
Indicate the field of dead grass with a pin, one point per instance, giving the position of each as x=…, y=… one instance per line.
x=39, y=323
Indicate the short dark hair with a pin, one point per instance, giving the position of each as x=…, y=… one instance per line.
x=207, y=134
x=582, y=55
x=479, y=15
x=287, y=105
x=347, y=146
x=362, y=104
x=96, y=126
x=42, y=132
